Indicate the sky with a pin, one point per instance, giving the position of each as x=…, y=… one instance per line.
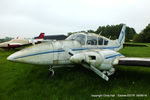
x=28, y=18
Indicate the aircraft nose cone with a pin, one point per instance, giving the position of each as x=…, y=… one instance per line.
x=37, y=54
x=12, y=57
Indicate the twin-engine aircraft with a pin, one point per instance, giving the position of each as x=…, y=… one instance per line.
x=15, y=43
x=92, y=51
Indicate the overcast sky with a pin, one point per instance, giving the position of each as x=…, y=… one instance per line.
x=27, y=18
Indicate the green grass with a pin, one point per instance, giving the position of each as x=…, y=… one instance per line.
x=32, y=82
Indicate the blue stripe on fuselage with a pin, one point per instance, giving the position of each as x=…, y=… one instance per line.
x=97, y=48
x=40, y=53
x=64, y=51
x=112, y=56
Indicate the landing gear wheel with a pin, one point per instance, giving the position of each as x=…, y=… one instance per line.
x=111, y=71
x=51, y=70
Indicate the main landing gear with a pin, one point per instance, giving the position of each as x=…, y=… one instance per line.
x=109, y=72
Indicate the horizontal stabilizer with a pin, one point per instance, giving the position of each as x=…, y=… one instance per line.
x=135, y=45
x=134, y=61
x=11, y=44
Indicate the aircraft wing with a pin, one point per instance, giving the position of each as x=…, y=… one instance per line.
x=34, y=41
x=134, y=61
x=12, y=44
x=101, y=62
x=45, y=40
x=134, y=45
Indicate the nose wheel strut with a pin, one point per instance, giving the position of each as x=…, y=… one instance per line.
x=51, y=70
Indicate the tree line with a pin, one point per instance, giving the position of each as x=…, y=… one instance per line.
x=113, y=31
x=5, y=39
x=143, y=36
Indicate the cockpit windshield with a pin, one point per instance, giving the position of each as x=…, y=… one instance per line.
x=78, y=37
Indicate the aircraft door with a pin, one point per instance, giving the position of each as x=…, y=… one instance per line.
x=59, y=56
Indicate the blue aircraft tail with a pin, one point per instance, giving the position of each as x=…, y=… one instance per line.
x=122, y=35
x=121, y=38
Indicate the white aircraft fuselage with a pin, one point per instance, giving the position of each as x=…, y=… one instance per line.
x=56, y=52
x=92, y=51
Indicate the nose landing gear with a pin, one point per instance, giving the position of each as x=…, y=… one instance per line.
x=51, y=70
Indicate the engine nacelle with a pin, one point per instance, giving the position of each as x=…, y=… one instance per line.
x=103, y=60
x=92, y=58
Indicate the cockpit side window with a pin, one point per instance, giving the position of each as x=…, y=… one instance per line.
x=91, y=40
x=81, y=38
x=100, y=41
x=78, y=37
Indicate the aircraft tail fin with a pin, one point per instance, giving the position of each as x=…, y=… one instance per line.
x=121, y=38
x=122, y=35
x=41, y=36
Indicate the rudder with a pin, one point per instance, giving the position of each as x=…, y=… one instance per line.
x=41, y=36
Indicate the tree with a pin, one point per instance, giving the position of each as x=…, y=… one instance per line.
x=91, y=31
x=5, y=39
x=138, y=38
x=114, y=31
x=144, y=35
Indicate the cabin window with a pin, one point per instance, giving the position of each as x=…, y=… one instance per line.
x=105, y=42
x=91, y=40
x=100, y=41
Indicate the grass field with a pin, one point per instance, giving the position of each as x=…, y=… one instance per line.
x=31, y=82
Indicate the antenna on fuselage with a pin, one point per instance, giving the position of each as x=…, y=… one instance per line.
x=100, y=33
x=109, y=37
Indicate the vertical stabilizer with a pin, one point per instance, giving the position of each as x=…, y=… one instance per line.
x=121, y=38
x=122, y=35
x=41, y=36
